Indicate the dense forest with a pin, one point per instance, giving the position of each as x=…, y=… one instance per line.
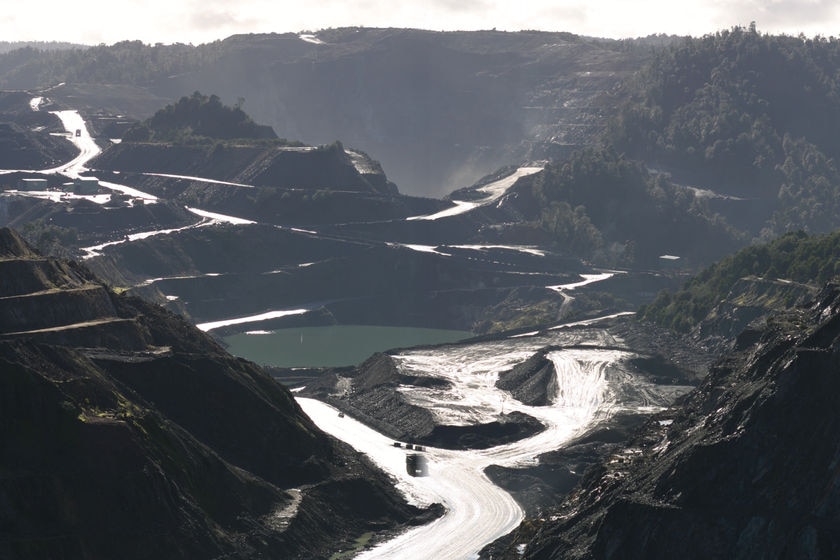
x=126, y=62
x=744, y=114
x=47, y=46
x=198, y=118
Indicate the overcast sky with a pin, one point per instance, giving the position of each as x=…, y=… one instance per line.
x=201, y=21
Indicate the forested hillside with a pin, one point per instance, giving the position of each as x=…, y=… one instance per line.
x=604, y=206
x=198, y=118
x=719, y=141
x=126, y=62
x=744, y=114
x=793, y=258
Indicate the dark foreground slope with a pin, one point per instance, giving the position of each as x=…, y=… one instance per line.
x=746, y=466
x=126, y=433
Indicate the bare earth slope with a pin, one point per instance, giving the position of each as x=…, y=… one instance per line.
x=128, y=433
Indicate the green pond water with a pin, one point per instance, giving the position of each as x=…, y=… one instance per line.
x=332, y=346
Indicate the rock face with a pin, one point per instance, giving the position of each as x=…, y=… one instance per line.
x=127, y=433
x=746, y=466
x=532, y=382
x=750, y=299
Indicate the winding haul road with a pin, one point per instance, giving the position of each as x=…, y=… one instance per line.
x=493, y=191
x=88, y=149
x=476, y=510
x=77, y=133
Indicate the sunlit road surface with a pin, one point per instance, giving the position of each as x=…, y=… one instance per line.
x=79, y=135
x=88, y=149
x=477, y=511
x=591, y=385
x=493, y=192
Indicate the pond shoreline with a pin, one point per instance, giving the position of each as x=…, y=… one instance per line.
x=331, y=346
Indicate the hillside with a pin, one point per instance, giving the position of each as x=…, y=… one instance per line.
x=603, y=206
x=716, y=142
x=744, y=466
x=748, y=117
x=439, y=110
x=128, y=433
x=722, y=299
x=198, y=118
x=200, y=136
x=24, y=139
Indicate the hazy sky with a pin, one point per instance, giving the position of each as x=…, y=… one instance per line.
x=200, y=21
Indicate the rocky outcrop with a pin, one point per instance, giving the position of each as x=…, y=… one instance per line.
x=533, y=382
x=751, y=299
x=59, y=302
x=745, y=466
x=368, y=392
x=127, y=433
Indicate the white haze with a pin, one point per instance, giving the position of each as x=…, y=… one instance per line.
x=201, y=21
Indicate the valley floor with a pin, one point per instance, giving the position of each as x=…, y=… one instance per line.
x=595, y=382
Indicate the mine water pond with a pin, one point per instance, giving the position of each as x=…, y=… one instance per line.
x=332, y=346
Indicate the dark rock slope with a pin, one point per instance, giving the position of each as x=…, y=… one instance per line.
x=746, y=466
x=127, y=433
x=25, y=139
x=274, y=182
x=532, y=381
